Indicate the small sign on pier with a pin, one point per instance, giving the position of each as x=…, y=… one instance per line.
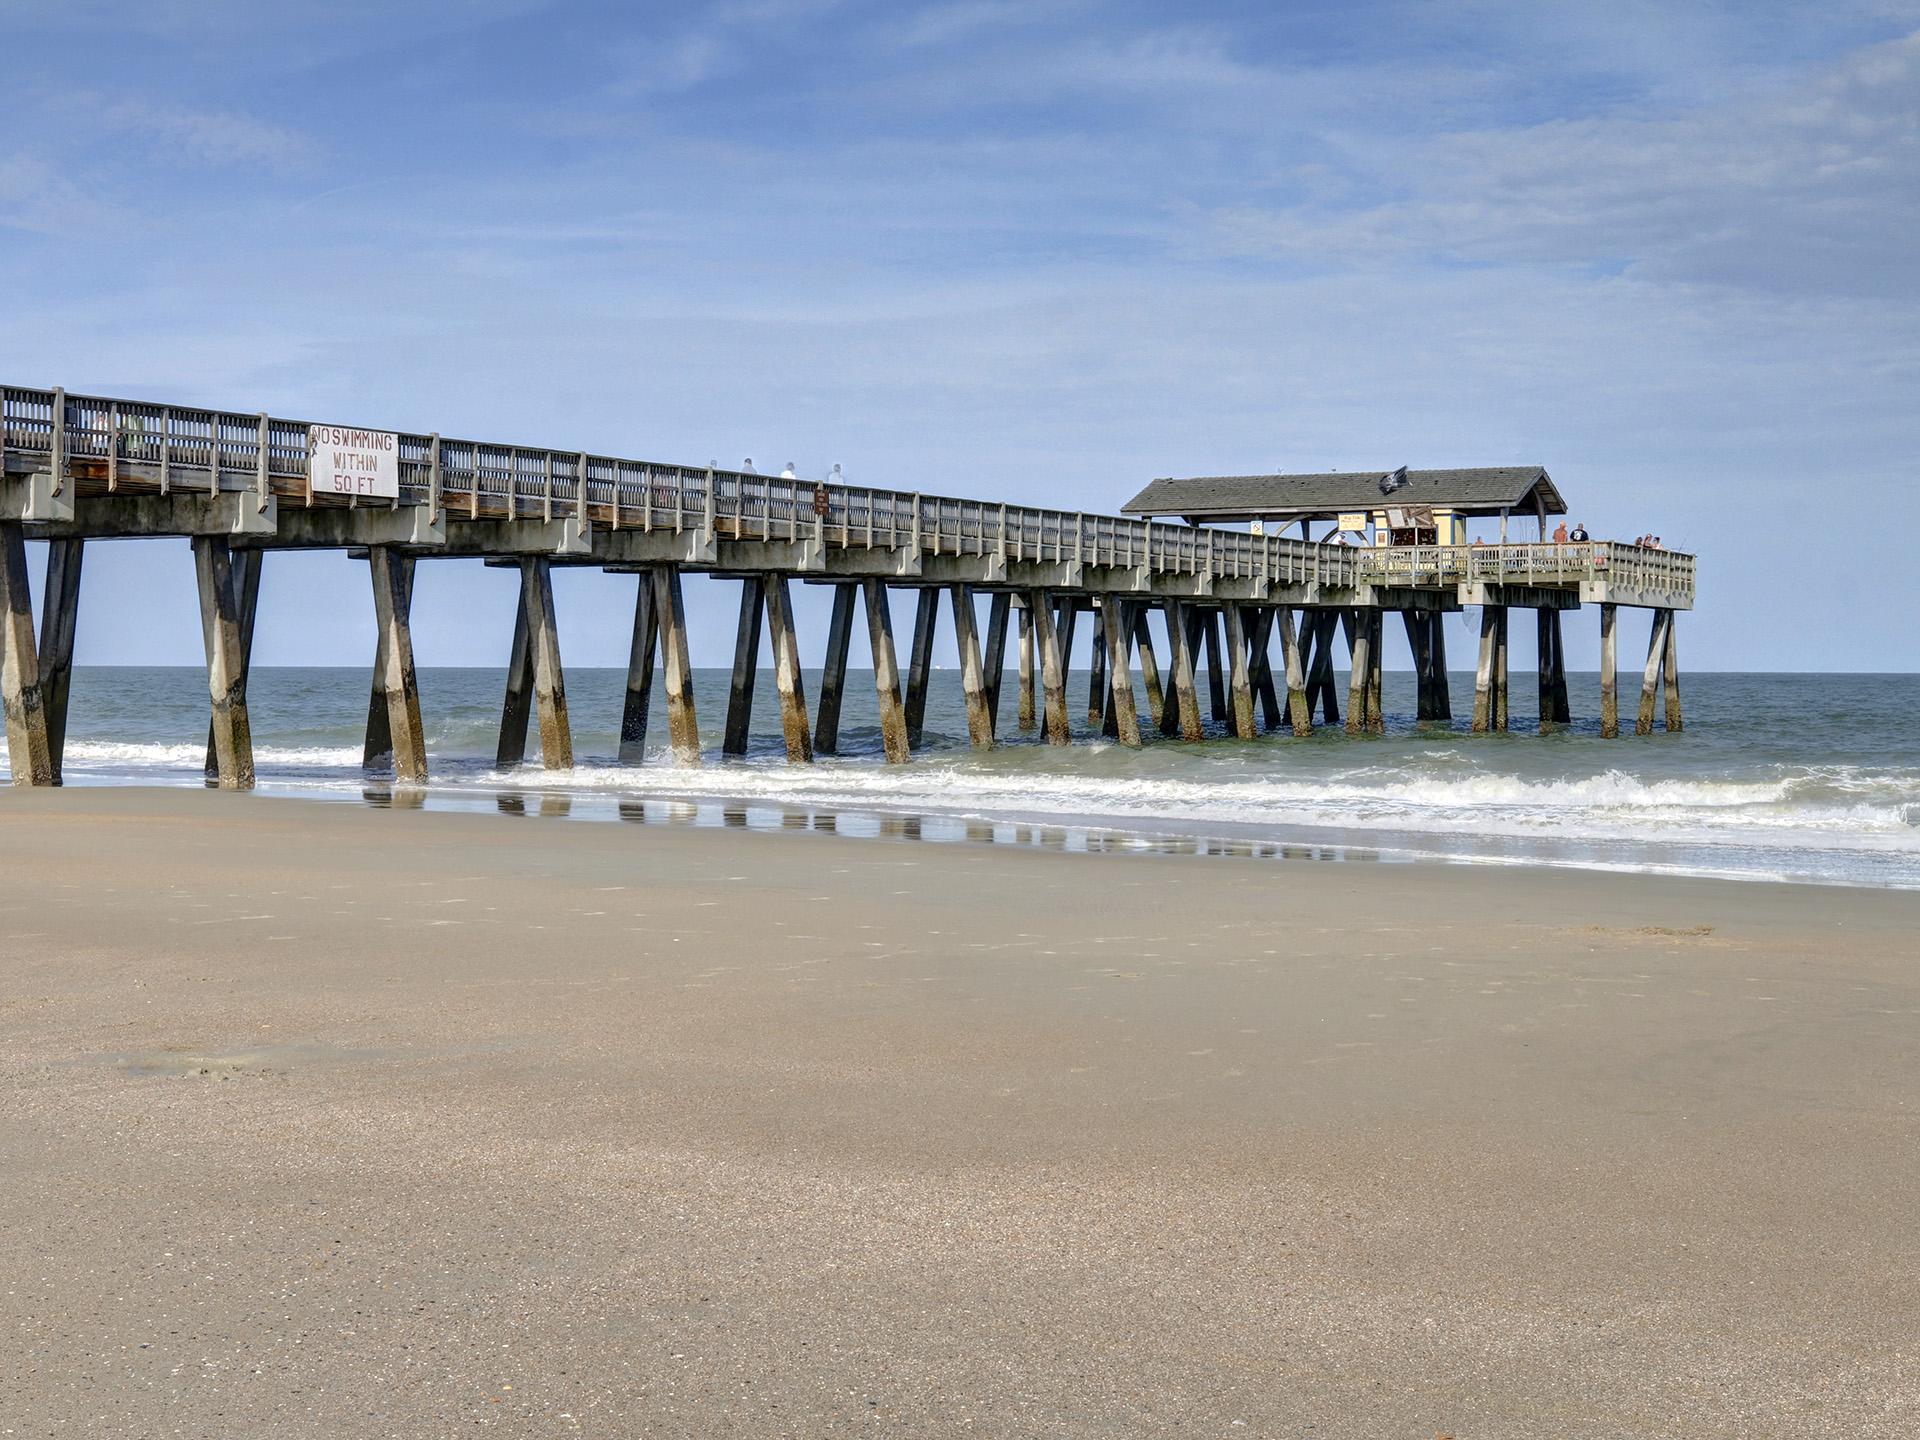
x=343, y=461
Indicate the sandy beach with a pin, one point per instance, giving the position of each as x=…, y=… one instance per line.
x=334, y=1121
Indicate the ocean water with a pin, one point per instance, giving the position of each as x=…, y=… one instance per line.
x=1810, y=777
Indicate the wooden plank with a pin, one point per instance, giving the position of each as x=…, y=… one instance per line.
x=638, y=705
x=20, y=690
x=1053, y=671
x=833, y=672
x=676, y=670
x=788, y=677
x=886, y=672
x=59, y=621
x=226, y=662
x=393, y=613
x=1233, y=618
x=1298, y=710
x=1609, y=672
x=549, y=680
x=973, y=669
x=1119, y=667
x=746, y=669
x=926, y=620
x=516, y=709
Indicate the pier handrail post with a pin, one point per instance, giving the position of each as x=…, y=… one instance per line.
x=57, y=448
x=434, y=478
x=914, y=539
x=580, y=495
x=707, y=508
x=261, y=488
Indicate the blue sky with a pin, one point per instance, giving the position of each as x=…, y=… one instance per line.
x=1039, y=251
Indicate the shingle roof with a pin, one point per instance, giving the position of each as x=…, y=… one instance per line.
x=1250, y=497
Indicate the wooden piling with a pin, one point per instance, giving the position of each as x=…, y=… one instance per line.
x=788, y=678
x=999, y=609
x=1483, y=672
x=1053, y=677
x=549, y=680
x=833, y=672
x=639, y=698
x=1235, y=624
x=1297, y=708
x=1609, y=673
x=1066, y=617
x=746, y=669
x=1260, y=667
x=886, y=672
x=59, y=618
x=926, y=619
x=973, y=669
x=1213, y=626
x=1119, y=636
x=1098, y=690
x=1562, y=708
x=226, y=662
x=20, y=689
x=1376, y=669
x=1650, y=679
x=393, y=613
x=1500, y=669
x=1026, y=718
x=1182, y=716
x=1362, y=650
x=1543, y=665
x=1416, y=627
x=1675, y=721
x=516, y=709
x=676, y=670
x=1320, y=676
x=1149, y=665
x=1437, y=666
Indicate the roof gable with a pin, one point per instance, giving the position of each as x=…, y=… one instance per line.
x=1486, y=490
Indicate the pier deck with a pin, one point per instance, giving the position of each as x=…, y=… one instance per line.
x=77, y=468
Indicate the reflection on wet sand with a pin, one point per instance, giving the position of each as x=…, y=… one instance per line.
x=878, y=825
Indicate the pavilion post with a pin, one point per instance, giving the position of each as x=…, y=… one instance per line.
x=886, y=672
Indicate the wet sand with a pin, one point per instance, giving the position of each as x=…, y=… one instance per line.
x=330, y=1121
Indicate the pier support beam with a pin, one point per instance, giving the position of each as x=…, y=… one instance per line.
x=516, y=709
x=1376, y=668
x=1483, y=672
x=1097, y=688
x=670, y=613
x=1120, y=705
x=1182, y=715
x=1149, y=665
x=1672, y=649
x=1234, y=620
x=1066, y=618
x=1298, y=710
x=1320, y=674
x=886, y=672
x=1026, y=718
x=1500, y=669
x=998, y=611
x=746, y=669
x=1609, y=673
x=59, y=618
x=1562, y=709
x=926, y=619
x=1543, y=664
x=20, y=689
x=226, y=663
x=393, y=613
x=639, y=698
x=549, y=680
x=973, y=669
x=1053, y=671
x=787, y=676
x=1260, y=644
x=1213, y=626
x=1362, y=650
x=833, y=673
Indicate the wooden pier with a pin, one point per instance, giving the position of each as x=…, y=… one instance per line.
x=80, y=468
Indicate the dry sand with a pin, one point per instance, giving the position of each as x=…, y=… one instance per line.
x=325, y=1121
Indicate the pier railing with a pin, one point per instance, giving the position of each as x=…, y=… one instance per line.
x=106, y=446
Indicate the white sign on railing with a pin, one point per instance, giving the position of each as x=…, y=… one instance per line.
x=353, y=462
